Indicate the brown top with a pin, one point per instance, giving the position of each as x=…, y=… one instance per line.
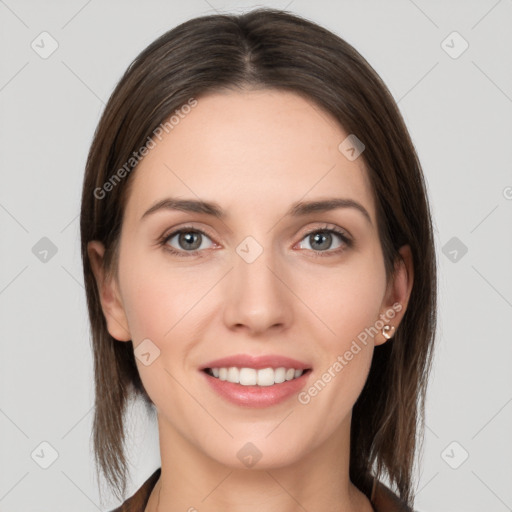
x=382, y=498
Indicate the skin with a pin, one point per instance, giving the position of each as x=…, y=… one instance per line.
x=254, y=153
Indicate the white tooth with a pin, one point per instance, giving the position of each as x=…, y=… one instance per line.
x=279, y=375
x=290, y=374
x=248, y=376
x=253, y=377
x=266, y=377
x=233, y=375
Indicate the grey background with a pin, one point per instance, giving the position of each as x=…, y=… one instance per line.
x=459, y=112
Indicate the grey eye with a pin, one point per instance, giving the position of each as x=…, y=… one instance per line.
x=321, y=240
x=189, y=240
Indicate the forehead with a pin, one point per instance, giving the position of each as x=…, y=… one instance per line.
x=249, y=149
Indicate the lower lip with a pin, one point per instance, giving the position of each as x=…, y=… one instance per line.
x=257, y=396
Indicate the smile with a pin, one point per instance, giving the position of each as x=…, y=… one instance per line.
x=255, y=377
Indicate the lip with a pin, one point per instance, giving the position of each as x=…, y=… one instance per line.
x=256, y=396
x=257, y=362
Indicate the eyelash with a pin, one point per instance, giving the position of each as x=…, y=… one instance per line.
x=188, y=229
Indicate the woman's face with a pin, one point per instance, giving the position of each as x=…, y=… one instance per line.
x=268, y=276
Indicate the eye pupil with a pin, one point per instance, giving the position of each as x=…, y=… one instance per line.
x=322, y=234
x=188, y=238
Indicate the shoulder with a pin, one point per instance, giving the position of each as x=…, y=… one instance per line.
x=383, y=499
x=139, y=500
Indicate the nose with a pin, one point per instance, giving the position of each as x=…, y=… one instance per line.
x=257, y=297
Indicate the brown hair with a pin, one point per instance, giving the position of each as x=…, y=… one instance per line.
x=268, y=48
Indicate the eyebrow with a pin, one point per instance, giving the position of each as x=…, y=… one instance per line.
x=300, y=208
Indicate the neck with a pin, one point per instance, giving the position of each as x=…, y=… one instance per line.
x=191, y=481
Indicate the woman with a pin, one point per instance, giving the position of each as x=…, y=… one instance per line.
x=259, y=267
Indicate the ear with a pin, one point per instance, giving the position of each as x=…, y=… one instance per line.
x=110, y=298
x=397, y=295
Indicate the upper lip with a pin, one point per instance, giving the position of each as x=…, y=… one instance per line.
x=256, y=362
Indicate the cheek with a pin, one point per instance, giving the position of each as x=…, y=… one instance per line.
x=158, y=297
x=348, y=304
x=158, y=304
x=162, y=303
x=346, y=299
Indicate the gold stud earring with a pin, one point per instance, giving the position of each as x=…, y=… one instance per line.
x=387, y=331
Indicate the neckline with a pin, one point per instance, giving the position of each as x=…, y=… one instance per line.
x=382, y=499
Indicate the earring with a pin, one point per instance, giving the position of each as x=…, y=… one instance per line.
x=386, y=331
